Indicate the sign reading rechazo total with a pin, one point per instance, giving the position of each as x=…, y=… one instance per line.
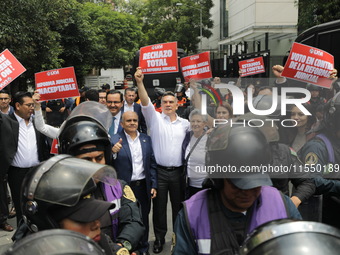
x=309, y=64
x=159, y=58
x=10, y=68
x=251, y=66
x=196, y=66
x=57, y=83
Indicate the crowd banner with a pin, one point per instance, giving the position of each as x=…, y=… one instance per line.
x=309, y=64
x=56, y=84
x=196, y=66
x=251, y=66
x=10, y=68
x=159, y=58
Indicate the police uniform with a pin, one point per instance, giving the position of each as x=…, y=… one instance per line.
x=317, y=161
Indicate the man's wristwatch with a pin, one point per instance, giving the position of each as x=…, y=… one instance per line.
x=127, y=245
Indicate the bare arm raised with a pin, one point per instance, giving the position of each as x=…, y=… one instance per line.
x=142, y=93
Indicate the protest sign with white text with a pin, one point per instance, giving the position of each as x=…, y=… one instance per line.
x=159, y=58
x=309, y=64
x=251, y=66
x=196, y=66
x=56, y=84
x=10, y=68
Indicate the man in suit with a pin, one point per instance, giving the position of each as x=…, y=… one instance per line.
x=114, y=101
x=135, y=163
x=7, y=152
x=29, y=146
x=130, y=96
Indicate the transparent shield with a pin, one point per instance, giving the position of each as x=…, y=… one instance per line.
x=63, y=181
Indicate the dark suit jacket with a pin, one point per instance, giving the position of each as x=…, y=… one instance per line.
x=9, y=136
x=141, y=123
x=8, y=143
x=123, y=162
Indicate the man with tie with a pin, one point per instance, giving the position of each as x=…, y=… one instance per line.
x=114, y=101
x=135, y=163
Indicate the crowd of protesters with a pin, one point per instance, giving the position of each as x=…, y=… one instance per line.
x=162, y=148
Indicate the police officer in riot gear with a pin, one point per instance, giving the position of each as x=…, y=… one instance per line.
x=217, y=220
x=60, y=190
x=321, y=156
x=84, y=136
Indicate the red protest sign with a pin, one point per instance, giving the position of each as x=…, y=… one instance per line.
x=159, y=58
x=309, y=64
x=57, y=83
x=251, y=66
x=196, y=66
x=54, y=147
x=10, y=68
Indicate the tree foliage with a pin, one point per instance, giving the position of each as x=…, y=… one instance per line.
x=165, y=21
x=314, y=12
x=47, y=34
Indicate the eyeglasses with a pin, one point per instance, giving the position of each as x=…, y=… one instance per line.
x=30, y=105
x=4, y=98
x=113, y=102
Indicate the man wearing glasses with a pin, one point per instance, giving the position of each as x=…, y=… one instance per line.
x=114, y=101
x=22, y=147
x=5, y=99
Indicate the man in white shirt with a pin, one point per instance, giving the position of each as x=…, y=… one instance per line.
x=31, y=146
x=167, y=132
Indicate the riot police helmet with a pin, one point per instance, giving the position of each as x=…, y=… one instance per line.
x=284, y=237
x=55, y=242
x=59, y=183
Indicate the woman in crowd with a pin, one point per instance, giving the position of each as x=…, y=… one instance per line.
x=297, y=136
x=193, y=152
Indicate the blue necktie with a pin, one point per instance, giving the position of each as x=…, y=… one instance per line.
x=112, y=128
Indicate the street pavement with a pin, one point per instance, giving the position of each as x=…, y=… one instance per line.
x=5, y=237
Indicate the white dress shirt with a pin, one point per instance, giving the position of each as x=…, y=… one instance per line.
x=167, y=137
x=127, y=107
x=136, y=157
x=27, y=152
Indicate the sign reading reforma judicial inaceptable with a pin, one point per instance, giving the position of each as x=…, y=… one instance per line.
x=251, y=66
x=196, y=66
x=309, y=64
x=10, y=68
x=159, y=58
x=57, y=83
